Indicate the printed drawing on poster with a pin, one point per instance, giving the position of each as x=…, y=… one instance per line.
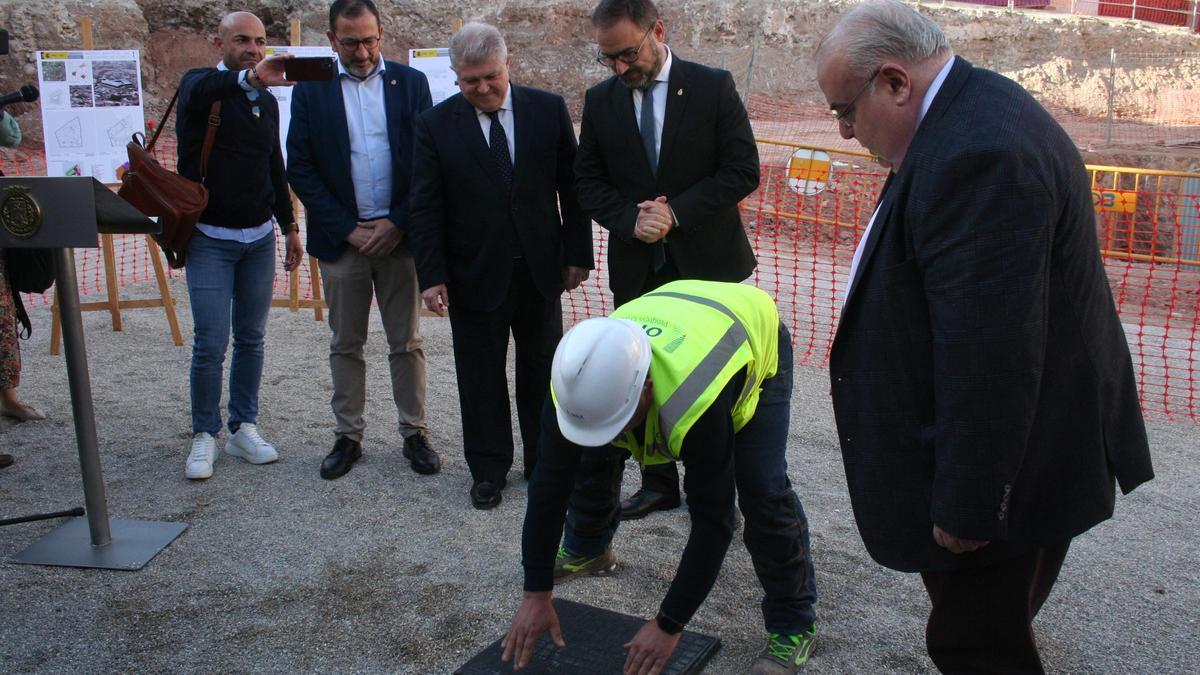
x=284, y=94
x=91, y=104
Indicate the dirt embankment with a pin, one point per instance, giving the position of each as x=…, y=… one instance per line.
x=1063, y=59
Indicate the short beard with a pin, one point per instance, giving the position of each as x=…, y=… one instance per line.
x=648, y=80
x=366, y=70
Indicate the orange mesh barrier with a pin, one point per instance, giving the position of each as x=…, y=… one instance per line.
x=1148, y=227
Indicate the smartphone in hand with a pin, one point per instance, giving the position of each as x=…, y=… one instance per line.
x=306, y=68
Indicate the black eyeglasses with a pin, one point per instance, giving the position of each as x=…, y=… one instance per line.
x=351, y=44
x=628, y=57
x=844, y=113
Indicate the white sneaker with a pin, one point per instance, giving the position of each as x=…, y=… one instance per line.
x=200, y=459
x=248, y=445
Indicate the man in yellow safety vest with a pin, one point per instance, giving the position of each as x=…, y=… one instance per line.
x=698, y=372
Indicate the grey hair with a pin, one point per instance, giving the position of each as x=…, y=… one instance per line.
x=882, y=30
x=476, y=43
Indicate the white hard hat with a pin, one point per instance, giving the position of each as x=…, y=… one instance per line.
x=597, y=376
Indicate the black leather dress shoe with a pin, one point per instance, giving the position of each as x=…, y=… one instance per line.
x=423, y=458
x=345, y=453
x=642, y=502
x=486, y=495
x=5, y=460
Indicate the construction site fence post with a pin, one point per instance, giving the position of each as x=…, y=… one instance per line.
x=1112, y=86
x=750, y=66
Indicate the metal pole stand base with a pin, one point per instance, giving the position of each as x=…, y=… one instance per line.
x=134, y=543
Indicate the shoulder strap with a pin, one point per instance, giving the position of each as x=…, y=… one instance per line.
x=210, y=135
x=162, y=123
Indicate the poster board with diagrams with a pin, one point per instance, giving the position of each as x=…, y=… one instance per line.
x=91, y=106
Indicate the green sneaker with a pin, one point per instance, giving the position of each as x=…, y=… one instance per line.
x=785, y=654
x=568, y=565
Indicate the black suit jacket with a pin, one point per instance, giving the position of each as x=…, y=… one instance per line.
x=980, y=375
x=461, y=213
x=708, y=162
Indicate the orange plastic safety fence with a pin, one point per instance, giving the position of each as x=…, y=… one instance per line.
x=1148, y=229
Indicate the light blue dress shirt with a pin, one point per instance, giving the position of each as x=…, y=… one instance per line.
x=370, y=150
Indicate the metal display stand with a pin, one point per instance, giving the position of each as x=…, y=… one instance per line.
x=63, y=214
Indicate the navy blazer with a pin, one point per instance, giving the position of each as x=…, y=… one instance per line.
x=980, y=375
x=463, y=215
x=707, y=163
x=318, y=154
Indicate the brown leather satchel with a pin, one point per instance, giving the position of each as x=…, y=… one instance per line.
x=176, y=201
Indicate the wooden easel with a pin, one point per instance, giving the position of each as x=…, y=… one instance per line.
x=114, y=304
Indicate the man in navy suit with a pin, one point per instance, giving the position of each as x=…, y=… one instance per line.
x=982, y=384
x=349, y=161
x=498, y=236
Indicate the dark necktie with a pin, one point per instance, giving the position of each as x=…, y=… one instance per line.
x=498, y=141
x=647, y=128
x=658, y=253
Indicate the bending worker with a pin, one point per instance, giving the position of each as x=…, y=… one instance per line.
x=698, y=372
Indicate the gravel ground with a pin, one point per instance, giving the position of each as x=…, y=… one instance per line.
x=387, y=571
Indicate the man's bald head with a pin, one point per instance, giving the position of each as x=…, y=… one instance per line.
x=242, y=39
x=239, y=21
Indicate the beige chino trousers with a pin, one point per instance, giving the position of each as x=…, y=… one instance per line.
x=349, y=283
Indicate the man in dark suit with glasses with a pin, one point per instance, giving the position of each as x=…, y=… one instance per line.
x=666, y=153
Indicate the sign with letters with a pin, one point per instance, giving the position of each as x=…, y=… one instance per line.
x=91, y=106
x=435, y=63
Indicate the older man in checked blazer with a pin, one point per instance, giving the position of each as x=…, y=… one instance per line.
x=982, y=384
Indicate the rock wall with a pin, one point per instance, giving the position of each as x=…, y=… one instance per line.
x=1055, y=55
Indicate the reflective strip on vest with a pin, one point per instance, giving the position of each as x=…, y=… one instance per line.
x=690, y=390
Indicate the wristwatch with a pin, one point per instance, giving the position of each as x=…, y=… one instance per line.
x=668, y=625
x=288, y=229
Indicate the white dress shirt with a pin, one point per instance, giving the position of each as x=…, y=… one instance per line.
x=506, y=120
x=370, y=150
x=925, y=103
x=248, y=234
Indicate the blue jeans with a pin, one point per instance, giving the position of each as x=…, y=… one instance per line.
x=776, y=529
x=230, y=284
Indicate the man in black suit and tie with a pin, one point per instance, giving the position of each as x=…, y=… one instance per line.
x=664, y=179
x=492, y=169
x=982, y=384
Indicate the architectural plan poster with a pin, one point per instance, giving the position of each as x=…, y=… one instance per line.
x=91, y=106
x=284, y=94
x=435, y=63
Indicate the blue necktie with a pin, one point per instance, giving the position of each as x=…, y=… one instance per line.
x=498, y=141
x=647, y=128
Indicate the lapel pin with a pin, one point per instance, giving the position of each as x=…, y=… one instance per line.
x=393, y=83
x=679, y=93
